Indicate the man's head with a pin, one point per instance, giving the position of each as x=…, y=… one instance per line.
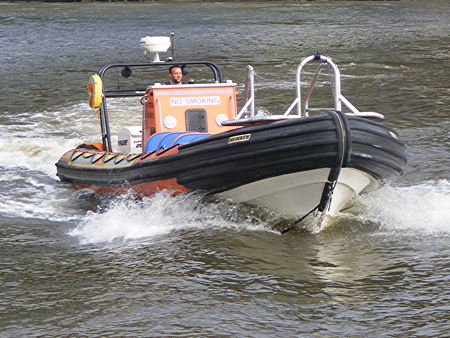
x=175, y=75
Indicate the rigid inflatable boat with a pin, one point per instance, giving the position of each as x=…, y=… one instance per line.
x=194, y=138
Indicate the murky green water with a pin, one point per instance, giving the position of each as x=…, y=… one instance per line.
x=73, y=265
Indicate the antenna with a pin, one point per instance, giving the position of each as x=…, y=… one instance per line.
x=171, y=40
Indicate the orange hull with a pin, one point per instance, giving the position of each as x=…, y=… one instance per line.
x=145, y=189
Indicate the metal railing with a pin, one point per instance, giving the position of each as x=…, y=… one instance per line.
x=303, y=108
x=249, y=94
x=338, y=98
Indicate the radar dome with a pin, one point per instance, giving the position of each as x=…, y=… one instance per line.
x=155, y=44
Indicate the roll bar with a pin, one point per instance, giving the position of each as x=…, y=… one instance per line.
x=214, y=68
x=302, y=106
x=104, y=121
x=338, y=98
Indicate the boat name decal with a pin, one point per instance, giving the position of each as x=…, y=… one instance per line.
x=239, y=138
x=195, y=101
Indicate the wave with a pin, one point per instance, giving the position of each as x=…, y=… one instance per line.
x=75, y=120
x=418, y=209
x=32, y=194
x=34, y=153
x=36, y=140
x=31, y=147
x=129, y=218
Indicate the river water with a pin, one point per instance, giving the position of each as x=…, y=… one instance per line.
x=76, y=265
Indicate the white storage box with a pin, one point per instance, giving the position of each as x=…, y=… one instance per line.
x=130, y=140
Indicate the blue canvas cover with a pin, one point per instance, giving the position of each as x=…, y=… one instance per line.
x=166, y=140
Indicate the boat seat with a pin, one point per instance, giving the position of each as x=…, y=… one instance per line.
x=166, y=140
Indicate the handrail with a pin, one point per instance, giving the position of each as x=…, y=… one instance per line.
x=215, y=69
x=293, y=104
x=338, y=98
x=104, y=124
x=337, y=82
x=349, y=105
x=249, y=93
x=312, y=85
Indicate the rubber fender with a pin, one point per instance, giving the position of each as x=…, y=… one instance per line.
x=91, y=145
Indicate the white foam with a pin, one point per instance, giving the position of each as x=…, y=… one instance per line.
x=36, y=140
x=127, y=218
x=74, y=121
x=34, y=153
x=416, y=210
x=27, y=196
x=423, y=208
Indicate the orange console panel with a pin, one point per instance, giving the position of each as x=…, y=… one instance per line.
x=192, y=107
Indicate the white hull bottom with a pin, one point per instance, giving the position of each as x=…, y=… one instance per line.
x=294, y=195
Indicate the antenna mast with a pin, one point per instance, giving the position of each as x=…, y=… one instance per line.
x=171, y=40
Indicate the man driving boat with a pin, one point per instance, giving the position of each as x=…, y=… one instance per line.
x=175, y=75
